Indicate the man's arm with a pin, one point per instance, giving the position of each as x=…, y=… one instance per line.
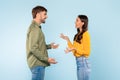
x=48, y=46
x=52, y=45
x=33, y=45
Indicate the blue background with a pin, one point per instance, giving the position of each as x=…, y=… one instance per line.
x=104, y=28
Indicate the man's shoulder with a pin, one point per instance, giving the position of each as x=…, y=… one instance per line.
x=33, y=27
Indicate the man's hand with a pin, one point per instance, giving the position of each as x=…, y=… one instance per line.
x=54, y=46
x=51, y=61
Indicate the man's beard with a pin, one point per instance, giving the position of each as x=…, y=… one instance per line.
x=43, y=21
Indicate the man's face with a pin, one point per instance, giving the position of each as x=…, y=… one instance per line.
x=42, y=16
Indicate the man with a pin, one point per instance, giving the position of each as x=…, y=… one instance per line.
x=37, y=55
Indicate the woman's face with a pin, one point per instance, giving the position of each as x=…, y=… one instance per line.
x=78, y=23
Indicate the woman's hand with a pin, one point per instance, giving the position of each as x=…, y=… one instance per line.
x=64, y=37
x=69, y=50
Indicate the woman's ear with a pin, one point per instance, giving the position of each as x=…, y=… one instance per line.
x=82, y=23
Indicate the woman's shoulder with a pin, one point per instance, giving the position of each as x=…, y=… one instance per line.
x=86, y=33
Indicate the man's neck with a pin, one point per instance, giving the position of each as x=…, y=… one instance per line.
x=37, y=21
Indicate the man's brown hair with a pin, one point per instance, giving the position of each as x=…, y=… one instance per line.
x=37, y=9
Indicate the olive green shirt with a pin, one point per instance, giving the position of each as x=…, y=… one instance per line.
x=36, y=47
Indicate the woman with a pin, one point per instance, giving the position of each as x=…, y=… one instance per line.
x=80, y=47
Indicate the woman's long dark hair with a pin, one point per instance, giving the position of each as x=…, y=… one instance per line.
x=79, y=34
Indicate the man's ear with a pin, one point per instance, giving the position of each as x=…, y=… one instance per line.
x=38, y=14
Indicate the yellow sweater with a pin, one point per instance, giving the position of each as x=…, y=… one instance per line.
x=82, y=49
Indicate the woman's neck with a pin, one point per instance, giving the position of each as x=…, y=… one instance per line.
x=80, y=30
